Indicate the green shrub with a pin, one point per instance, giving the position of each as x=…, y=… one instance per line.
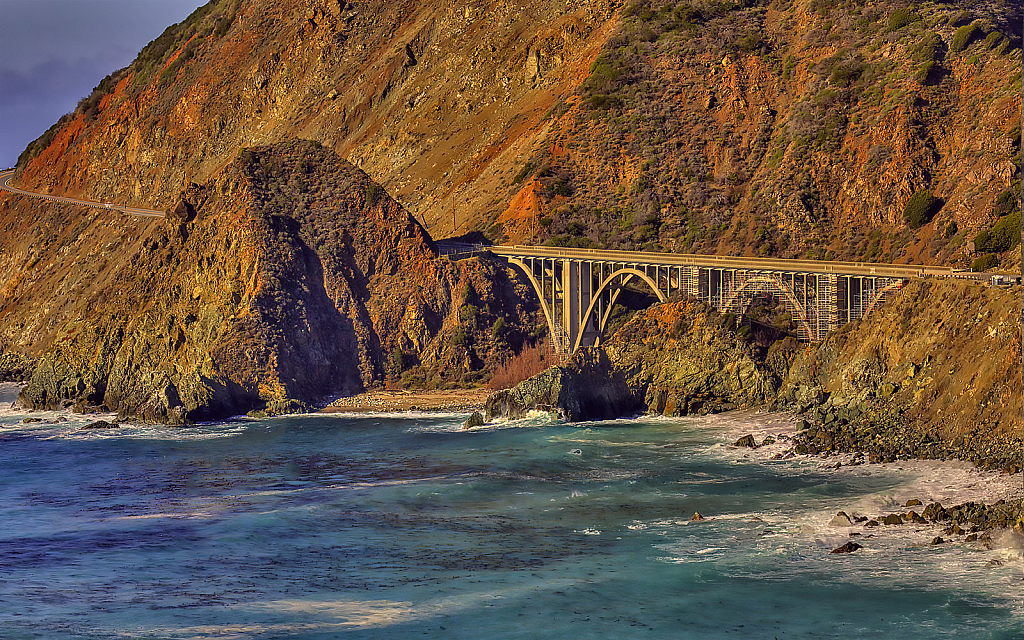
x=1005, y=235
x=963, y=37
x=901, y=18
x=928, y=48
x=993, y=39
x=468, y=313
x=527, y=171
x=499, y=328
x=373, y=193
x=920, y=208
x=985, y=262
x=951, y=229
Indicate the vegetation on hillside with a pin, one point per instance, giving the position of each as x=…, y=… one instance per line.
x=738, y=123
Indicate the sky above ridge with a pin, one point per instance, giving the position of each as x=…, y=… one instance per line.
x=53, y=52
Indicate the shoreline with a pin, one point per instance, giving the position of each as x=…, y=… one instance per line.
x=952, y=483
x=390, y=401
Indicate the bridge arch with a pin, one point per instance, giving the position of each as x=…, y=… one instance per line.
x=626, y=274
x=762, y=283
x=548, y=316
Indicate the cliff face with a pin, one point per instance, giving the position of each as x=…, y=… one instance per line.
x=791, y=128
x=782, y=127
x=674, y=359
x=436, y=101
x=288, y=276
x=872, y=130
x=934, y=373
x=938, y=369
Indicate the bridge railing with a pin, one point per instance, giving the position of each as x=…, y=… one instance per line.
x=730, y=262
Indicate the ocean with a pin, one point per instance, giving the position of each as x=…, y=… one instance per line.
x=406, y=526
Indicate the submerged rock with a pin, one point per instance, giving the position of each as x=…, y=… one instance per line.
x=101, y=424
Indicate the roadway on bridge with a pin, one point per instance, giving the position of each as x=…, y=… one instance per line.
x=5, y=179
x=735, y=262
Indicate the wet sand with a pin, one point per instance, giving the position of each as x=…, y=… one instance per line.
x=382, y=401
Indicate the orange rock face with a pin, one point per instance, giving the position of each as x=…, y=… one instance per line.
x=288, y=277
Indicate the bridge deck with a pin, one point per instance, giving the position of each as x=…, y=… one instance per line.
x=728, y=262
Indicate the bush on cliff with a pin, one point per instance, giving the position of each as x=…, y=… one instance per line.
x=1003, y=236
x=921, y=208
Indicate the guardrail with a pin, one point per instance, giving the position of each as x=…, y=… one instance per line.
x=458, y=251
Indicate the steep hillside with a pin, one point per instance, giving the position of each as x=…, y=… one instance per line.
x=885, y=131
x=878, y=130
x=935, y=373
x=435, y=101
x=289, y=275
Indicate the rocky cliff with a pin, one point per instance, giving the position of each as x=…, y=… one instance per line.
x=876, y=130
x=872, y=130
x=934, y=373
x=678, y=358
x=287, y=277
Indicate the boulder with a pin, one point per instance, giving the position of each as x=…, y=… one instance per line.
x=585, y=388
x=840, y=520
x=475, y=420
x=893, y=518
x=696, y=517
x=913, y=516
x=934, y=512
x=849, y=547
x=746, y=441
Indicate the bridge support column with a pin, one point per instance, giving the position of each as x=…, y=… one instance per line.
x=577, y=293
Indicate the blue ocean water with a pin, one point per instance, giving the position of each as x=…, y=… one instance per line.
x=404, y=526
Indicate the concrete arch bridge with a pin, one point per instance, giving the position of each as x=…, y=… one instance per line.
x=577, y=288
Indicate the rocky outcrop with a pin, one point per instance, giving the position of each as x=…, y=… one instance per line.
x=674, y=359
x=933, y=373
x=287, y=278
x=14, y=366
x=588, y=387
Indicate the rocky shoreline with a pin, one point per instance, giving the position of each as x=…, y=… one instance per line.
x=935, y=373
x=964, y=522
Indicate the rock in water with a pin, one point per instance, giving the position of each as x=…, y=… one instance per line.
x=696, y=517
x=101, y=424
x=475, y=420
x=849, y=547
x=893, y=518
x=746, y=441
x=840, y=520
x=586, y=388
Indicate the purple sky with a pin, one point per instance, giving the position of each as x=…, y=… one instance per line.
x=53, y=52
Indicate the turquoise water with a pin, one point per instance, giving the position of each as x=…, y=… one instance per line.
x=406, y=527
